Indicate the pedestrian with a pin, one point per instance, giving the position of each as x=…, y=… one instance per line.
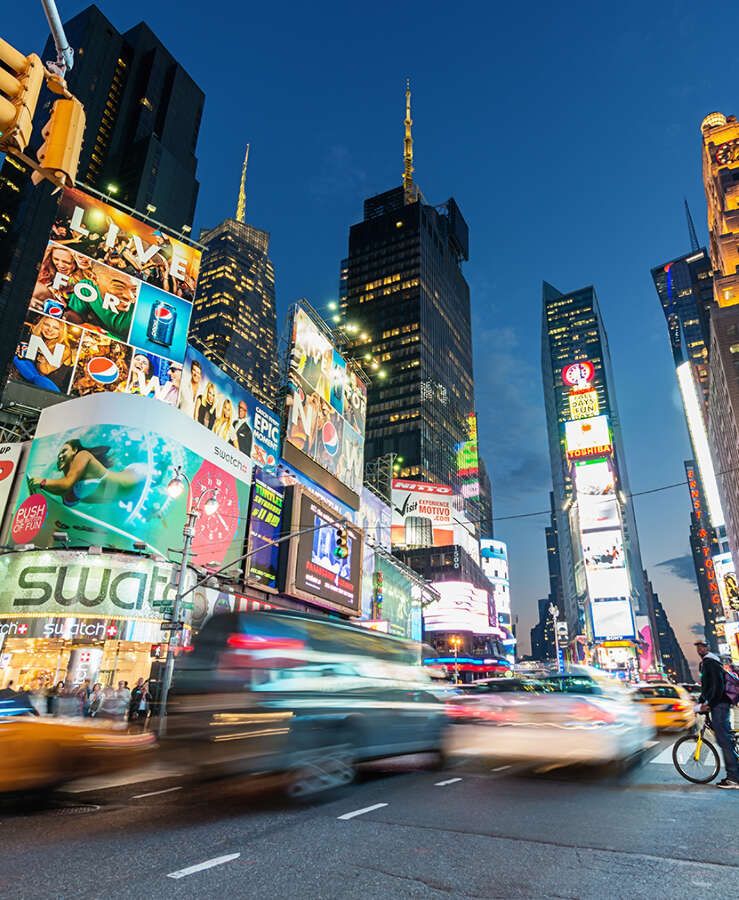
x=124, y=692
x=714, y=700
x=96, y=699
x=142, y=702
x=139, y=689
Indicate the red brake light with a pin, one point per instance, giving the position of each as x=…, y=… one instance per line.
x=257, y=642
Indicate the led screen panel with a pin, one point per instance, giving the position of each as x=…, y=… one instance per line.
x=587, y=437
x=423, y=514
x=603, y=550
x=461, y=607
x=596, y=495
x=612, y=619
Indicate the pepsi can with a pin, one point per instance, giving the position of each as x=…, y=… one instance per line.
x=162, y=321
x=53, y=308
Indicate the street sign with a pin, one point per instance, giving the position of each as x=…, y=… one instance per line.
x=172, y=626
x=162, y=602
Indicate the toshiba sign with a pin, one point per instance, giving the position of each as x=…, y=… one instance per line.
x=422, y=514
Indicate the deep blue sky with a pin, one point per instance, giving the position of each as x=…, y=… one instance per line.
x=568, y=134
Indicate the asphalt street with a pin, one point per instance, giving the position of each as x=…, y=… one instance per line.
x=469, y=831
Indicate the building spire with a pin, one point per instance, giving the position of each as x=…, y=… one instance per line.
x=410, y=192
x=691, y=228
x=241, y=206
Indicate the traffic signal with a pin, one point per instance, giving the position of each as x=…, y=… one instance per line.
x=19, y=91
x=59, y=155
x=342, y=543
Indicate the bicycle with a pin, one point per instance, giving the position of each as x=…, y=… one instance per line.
x=696, y=758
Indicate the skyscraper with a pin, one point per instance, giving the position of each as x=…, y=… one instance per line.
x=402, y=287
x=234, y=317
x=143, y=119
x=598, y=546
x=673, y=659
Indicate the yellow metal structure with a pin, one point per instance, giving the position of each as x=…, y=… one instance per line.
x=59, y=155
x=241, y=206
x=19, y=93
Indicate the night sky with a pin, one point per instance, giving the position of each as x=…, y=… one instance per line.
x=568, y=134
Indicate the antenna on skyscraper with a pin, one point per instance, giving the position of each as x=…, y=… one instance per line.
x=241, y=206
x=408, y=148
x=691, y=228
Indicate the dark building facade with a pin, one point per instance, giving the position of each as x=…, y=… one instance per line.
x=143, y=118
x=234, y=317
x=402, y=286
x=674, y=661
x=543, y=645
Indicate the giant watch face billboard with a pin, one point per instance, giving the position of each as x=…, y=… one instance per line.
x=111, y=305
x=314, y=571
x=326, y=409
x=98, y=470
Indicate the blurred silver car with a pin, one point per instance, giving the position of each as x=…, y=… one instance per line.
x=577, y=717
x=299, y=696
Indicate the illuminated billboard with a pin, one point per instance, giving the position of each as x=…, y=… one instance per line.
x=111, y=305
x=326, y=409
x=398, y=607
x=468, y=463
x=423, y=514
x=583, y=404
x=461, y=607
x=612, y=619
x=98, y=470
x=579, y=374
x=313, y=571
x=265, y=525
x=603, y=550
x=217, y=402
x=588, y=437
x=725, y=572
x=596, y=495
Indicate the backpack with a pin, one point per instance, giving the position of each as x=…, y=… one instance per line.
x=731, y=686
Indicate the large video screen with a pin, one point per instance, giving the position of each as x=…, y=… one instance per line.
x=315, y=572
x=461, y=607
x=215, y=400
x=612, y=619
x=99, y=467
x=423, y=514
x=326, y=405
x=603, y=550
x=265, y=524
x=111, y=305
x=588, y=437
x=596, y=495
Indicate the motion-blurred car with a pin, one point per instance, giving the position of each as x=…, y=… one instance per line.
x=42, y=754
x=558, y=719
x=299, y=696
x=671, y=705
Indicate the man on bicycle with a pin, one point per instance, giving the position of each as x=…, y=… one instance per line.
x=715, y=700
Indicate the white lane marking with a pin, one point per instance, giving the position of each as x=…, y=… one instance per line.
x=664, y=758
x=448, y=781
x=361, y=812
x=650, y=744
x=501, y=768
x=154, y=793
x=208, y=864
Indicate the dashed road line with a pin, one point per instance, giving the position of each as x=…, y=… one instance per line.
x=208, y=864
x=361, y=812
x=445, y=783
x=155, y=793
x=501, y=768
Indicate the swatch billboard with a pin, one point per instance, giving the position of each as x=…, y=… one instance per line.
x=98, y=470
x=209, y=396
x=326, y=407
x=111, y=305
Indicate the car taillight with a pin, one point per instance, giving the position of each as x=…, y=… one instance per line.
x=257, y=642
x=678, y=707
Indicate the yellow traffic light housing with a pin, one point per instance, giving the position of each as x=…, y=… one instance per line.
x=19, y=92
x=59, y=155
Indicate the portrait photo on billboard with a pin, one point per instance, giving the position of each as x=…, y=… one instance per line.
x=315, y=571
x=99, y=467
x=155, y=377
x=160, y=323
x=603, y=550
x=215, y=400
x=84, y=291
x=111, y=236
x=612, y=618
x=596, y=495
x=326, y=404
x=46, y=353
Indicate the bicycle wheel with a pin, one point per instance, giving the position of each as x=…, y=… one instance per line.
x=699, y=769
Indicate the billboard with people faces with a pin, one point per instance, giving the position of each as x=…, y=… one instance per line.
x=98, y=471
x=217, y=402
x=111, y=305
x=326, y=408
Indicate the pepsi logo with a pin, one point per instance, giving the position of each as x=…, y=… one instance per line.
x=163, y=313
x=102, y=370
x=330, y=438
x=54, y=309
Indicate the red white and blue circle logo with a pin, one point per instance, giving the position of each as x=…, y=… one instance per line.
x=330, y=438
x=54, y=309
x=102, y=370
x=163, y=313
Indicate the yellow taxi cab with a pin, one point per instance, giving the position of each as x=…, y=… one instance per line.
x=671, y=704
x=40, y=753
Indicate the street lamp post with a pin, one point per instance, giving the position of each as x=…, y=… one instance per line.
x=554, y=613
x=456, y=643
x=175, y=488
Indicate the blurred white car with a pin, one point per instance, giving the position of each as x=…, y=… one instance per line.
x=559, y=719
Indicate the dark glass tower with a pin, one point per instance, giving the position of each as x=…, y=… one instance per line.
x=573, y=331
x=402, y=285
x=234, y=316
x=143, y=119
